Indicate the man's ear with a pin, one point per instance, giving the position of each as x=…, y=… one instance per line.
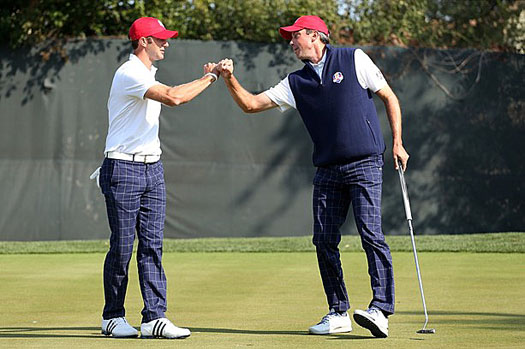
x=315, y=35
x=143, y=42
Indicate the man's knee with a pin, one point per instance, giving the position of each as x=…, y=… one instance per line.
x=326, y=241
x=150, y=248
x=121, y=252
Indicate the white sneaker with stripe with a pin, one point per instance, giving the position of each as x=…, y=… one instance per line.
x=118, y=327
x=163, y=328
x=332, y=322
x=373, y=320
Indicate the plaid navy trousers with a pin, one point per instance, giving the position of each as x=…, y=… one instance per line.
x=136, y=202
x=335, y=187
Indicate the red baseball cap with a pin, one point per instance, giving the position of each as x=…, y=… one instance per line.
x=149, y=26
x=304, y=22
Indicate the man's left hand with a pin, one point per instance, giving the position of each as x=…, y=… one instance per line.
x=400, y=154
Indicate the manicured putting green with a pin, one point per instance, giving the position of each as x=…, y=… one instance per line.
x=265, y=300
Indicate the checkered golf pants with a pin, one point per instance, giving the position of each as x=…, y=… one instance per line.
x=335, y=187
x=136, y=201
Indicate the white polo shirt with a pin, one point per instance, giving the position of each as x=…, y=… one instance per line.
x=368, y=75
x=133, y=119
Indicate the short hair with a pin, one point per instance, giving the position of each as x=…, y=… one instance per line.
x=325, y=39
x=135, y=44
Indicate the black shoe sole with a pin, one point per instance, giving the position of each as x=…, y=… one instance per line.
x=111, y=335
x=161, y=337
x=369, y=325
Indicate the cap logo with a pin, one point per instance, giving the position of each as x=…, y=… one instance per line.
x=338, y=77
x=160, y=23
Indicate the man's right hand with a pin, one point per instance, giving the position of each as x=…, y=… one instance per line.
x=226, y=68
x=247, y=101
x=210, y=67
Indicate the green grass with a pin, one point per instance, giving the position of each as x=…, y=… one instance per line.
x=492, y=243
x=265, y=300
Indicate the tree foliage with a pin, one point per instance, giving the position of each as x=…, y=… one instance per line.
x=29, y=22
x=482, y=24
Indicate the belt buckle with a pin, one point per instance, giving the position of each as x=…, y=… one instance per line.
x=136, y=158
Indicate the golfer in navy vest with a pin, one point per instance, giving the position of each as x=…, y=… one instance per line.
x=132, y=180
x=333, y=94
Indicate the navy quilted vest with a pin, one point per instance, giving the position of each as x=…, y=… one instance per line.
x=339, y=114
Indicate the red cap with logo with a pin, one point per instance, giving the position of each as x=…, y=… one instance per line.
x=149, y=26
x=304, y=22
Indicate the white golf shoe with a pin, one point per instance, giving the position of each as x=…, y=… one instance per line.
x=163, y=328
x=373, y=320
x=118, y=327
x=332, y=322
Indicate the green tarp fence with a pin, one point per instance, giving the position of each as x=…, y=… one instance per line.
x=232, y=174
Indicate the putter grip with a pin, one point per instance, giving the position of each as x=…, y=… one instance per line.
x=404, y=190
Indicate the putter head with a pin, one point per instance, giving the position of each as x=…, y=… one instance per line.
x=426, y=331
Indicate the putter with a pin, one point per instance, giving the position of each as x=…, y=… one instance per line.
x=408, y=213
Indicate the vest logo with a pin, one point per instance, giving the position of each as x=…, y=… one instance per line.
x=338, y=77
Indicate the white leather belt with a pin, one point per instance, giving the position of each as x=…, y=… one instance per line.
x=147, y=159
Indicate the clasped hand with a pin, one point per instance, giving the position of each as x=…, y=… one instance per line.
x=223, y=68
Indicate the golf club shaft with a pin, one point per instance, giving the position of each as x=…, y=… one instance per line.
x=404, y=190
x=408, y=213
x=418, y=272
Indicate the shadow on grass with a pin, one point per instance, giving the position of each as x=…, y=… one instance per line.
x=350, y=337
x=493, y=321
x=25, y=332
x=463, y=313
x=289, y=333
x=29, y=332
x=240, y=331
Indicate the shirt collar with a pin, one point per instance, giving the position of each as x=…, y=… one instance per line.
x=320, y=64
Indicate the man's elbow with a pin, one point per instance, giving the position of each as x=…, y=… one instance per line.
x=250, y=106
x=390, y=99
x=174, y=101
x=248, y=109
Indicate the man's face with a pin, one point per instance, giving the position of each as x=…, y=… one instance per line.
x=302, y=44
x=155, y=48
